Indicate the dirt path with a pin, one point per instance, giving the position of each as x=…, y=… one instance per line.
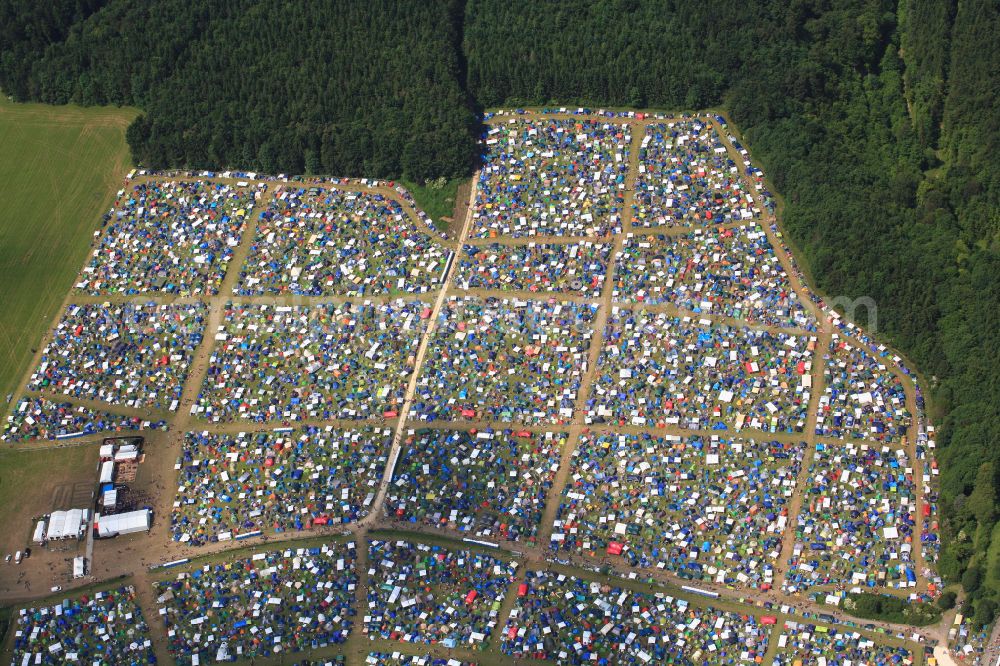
x=355, y=642
x=411, y=387
x=801, y=483
x=146, y=599
x=590, y=371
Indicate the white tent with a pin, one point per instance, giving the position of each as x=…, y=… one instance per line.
x=39, y=535
x=127, y=452
x=74, y=523
x=79, y=568
x=124, y=523
x=56, y=522
x=107, y=471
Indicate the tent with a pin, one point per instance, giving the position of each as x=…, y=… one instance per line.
x=124, y=523
x=74, y=523
x=107, y=471
x=127, y=452
x=39, y=535
x=56, y=522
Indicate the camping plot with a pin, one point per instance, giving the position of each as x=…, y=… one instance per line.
x=805, y=643
x=420, y=593
x=272, y=603
x=322, y=361
x=173, y=237
x=506, y=360
x=855, y=526
x=658, y=370
x=863, y=398
x=136, y=355
x=709, y=509
x=84, y=629
x=551, y=177
x=275, y=481
x=319, y=242
x=576, y=621
x=491, y=483
x=564, y=268
x=731, y=272
x=35, y=418
x=686, y=178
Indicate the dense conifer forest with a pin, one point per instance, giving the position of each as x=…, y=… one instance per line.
x=352, y=88
x=875, y=119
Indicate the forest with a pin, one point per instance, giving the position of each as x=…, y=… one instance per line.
x=875, y=120
x=294, y=86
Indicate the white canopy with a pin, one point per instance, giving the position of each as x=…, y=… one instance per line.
x=124, y=523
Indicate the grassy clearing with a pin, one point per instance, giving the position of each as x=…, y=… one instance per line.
x=59, y=169
x=436, y=198
x=29, y=481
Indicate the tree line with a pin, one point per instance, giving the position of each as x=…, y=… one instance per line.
x=875, y=120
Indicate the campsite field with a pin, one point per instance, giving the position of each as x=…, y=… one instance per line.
x=59, y=168
x=559, y=398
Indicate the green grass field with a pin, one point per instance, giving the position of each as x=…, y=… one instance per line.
x=30, y=482
x=438, y=202
x=59, y=169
